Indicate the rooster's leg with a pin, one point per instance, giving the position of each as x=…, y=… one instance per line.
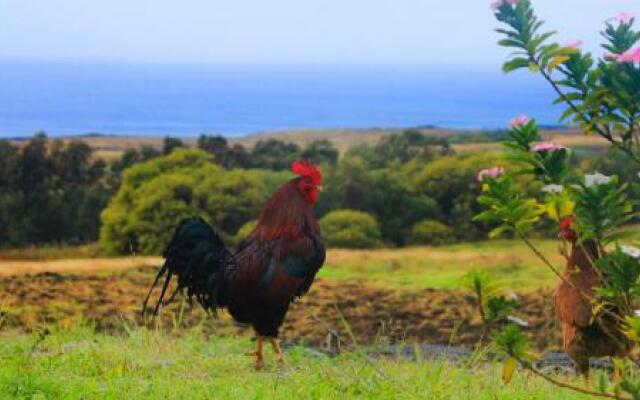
x=276, y=349
x=582, y=368
x=258, y=353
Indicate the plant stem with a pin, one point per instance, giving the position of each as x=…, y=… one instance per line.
x=569, y=386
x=543, y=258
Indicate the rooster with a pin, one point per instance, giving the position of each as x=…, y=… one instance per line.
x=257, y=282
x=586, y=333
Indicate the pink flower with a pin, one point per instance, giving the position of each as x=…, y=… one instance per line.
x=519, y=121
x=498, y=3
x=630, y=56
x=547, y=146
x=575, y=45
x=623, y=17
x=492, y=173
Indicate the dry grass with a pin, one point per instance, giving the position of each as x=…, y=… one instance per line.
x=50, y=253
x=571, y=138
x=76, y=266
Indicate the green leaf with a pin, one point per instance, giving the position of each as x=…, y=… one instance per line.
x=557, y=60
x=514, y=64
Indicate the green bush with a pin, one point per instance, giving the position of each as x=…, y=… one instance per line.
x=350, y=229
x=351, y=184
x=453, y=183
x=156, y=195
x=430, y=232
x=244, y=231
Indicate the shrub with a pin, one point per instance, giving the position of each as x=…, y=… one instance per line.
x=274, y=154
x=431, y=232
x=453, y=183
x=350, y=229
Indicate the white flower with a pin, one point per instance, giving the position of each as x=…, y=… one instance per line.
x=517, y=321
x=631, y=251
x=596, y=179
x=553, y=189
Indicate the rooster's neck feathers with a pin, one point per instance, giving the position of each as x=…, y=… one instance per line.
x=584, y=255
x=285, y=215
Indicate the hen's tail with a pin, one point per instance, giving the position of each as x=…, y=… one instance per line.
x=199, y=259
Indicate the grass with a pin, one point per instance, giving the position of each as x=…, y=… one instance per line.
x=414, y=267
x=444, y=267
x=79, y=266
x=143, y=364
x=82, y=363
x=51, y=252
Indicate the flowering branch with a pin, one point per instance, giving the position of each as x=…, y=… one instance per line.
x=603, y=97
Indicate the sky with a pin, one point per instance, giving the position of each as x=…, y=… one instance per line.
x=426, y=32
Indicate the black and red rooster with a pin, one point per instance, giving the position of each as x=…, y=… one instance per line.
x=275, y=264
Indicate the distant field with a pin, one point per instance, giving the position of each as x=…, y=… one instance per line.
x=570, y=138
x=75, y=265
x=50, y=253
x=142, y=364
x=417, y=267
x=111, y=147
x=443, y=267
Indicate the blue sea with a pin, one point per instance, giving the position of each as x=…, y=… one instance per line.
x=72, y=98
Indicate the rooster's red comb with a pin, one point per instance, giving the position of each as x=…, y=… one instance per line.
x=307, y=170
x=567, y=223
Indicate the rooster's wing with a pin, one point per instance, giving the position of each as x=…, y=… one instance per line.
x=572, y=306
x=280, y=269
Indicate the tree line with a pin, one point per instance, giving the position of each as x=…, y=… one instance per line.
x=414, y=188
x=54, y=191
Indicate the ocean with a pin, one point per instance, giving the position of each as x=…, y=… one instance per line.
x=72, y=98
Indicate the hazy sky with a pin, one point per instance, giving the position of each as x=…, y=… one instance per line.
x=278, y=31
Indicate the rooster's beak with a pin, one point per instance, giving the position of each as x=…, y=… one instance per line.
x=320, y=188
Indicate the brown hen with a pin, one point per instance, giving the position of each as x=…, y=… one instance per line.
x=584, y=334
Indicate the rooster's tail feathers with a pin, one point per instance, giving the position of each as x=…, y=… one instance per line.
x=199, y=259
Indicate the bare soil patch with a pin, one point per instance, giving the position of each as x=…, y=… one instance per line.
x=352, y=310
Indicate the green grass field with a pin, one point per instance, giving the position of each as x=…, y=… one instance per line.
x=444, y=267
x=143, y=364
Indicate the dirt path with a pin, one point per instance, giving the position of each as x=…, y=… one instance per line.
x=76, y=266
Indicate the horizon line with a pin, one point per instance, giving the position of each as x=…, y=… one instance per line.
x=252, y=63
